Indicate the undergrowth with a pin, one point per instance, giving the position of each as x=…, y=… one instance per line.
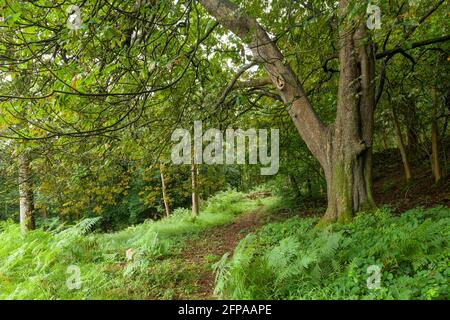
x=37, y=265
x=294, y=259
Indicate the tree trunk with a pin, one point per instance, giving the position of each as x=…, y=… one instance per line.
x=384, y=138
x=401, y=146
x=411, y=127
x=164, y=190
x=434, y=141
x=348, y=169
x=344, y=150
x=195, y=198
x=26, y=193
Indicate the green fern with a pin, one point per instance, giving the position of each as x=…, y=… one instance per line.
x=293, y=260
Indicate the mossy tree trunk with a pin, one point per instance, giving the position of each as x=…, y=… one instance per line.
x=348, y=165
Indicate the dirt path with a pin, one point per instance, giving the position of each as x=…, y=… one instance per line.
x=215, y=243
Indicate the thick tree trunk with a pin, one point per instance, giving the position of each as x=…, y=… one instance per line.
x=345, y=148
x=348, y=190
x=164, y=190
x=26, y=193
x=435, y=166
x=401, y=146
x=348, y=169
x=195, y=198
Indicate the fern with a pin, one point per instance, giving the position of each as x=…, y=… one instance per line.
x=293, y=260
x=86, y=225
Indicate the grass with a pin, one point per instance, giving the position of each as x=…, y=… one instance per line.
x=36, y=265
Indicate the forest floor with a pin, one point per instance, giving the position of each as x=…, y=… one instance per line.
x=212, y=245
x=391, y=188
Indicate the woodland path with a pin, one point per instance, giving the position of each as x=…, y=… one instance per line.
x=216, y=242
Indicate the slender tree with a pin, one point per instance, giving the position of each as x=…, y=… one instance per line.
x=435, y=166
x=27, y=221
x=401, y=146
x=195, y=197
x=164, y=189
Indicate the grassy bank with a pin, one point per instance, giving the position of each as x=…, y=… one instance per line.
x=43, y=264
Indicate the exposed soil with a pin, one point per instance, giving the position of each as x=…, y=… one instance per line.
x=213, y=244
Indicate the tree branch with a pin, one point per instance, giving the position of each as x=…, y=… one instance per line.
x=254, y=83
x=414, y=45
x=308, y=124
x=233, y=82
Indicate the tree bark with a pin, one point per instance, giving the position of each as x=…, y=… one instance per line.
x=344, y=150
x=401, y=146
x=195, y=198
x=411, y=126
x=435, y=166
x=349, y=147
x=26, y=193
x=164, y=190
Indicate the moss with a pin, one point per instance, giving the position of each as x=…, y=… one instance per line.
x=345, y=216
x=343, y=188
x=343, y=210
x=324, y=222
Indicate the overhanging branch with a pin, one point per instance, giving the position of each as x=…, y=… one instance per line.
x=414, y=45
